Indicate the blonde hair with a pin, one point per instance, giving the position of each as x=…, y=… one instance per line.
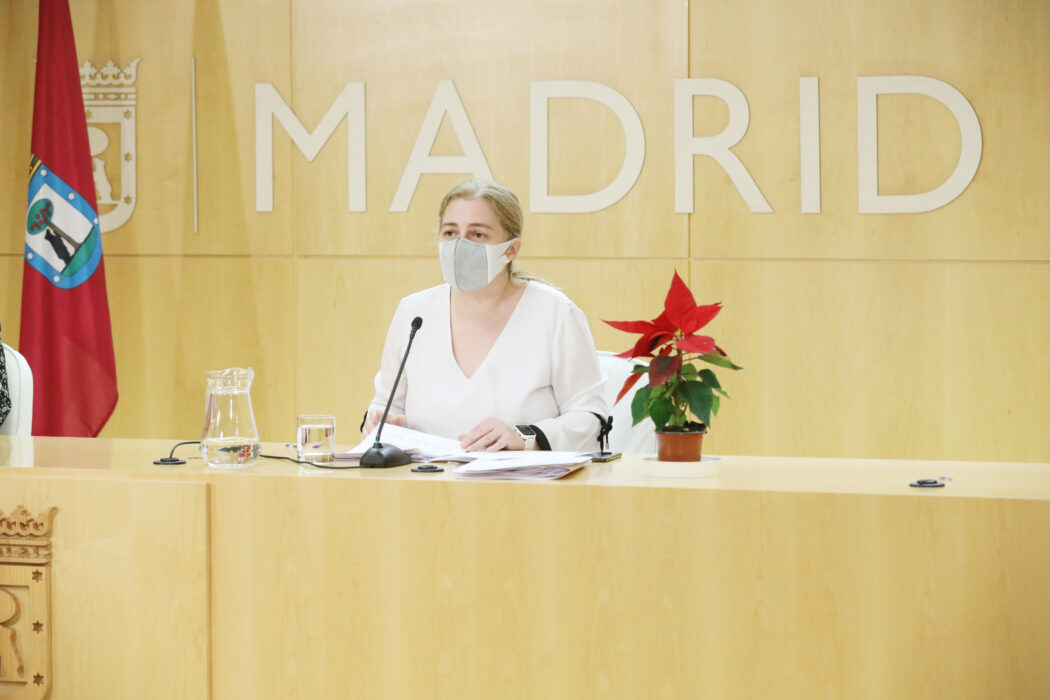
x=506, y=206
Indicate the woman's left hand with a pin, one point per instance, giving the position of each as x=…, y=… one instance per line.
x=492, y=435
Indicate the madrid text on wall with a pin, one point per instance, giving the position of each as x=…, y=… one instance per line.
x=446, y=104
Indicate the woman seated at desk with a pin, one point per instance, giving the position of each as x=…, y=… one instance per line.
x=503, y=361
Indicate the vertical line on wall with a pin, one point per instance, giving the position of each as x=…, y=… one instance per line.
x=193, y=107
x=689, y=74
x=688, y=39
x=297, y=383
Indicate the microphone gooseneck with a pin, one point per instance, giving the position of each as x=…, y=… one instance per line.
x=380, y=455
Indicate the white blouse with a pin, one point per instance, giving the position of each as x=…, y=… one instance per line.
x=542, y=370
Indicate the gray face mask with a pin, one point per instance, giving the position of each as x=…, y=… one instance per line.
x=469, y=266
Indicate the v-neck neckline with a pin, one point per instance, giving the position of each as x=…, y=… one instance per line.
x=495, y=343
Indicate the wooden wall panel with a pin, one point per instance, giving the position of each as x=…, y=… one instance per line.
x=900, y=360
x=614, y=290
x=491, y=51
x=175, y=318
x=235, y=44
x=11, y=297
x=491, y=590
x=345, y=308
x=17, y=52
x=614, y=263
x=764, y=48
x=110, y=637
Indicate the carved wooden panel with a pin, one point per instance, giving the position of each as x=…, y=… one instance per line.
x=25, y=603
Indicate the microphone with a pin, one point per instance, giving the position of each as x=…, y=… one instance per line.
x=380, y=455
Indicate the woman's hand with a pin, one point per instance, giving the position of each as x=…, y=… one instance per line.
x=372, y=420
x=492, y=435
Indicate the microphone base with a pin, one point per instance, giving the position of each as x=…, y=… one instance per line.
x=382, y=456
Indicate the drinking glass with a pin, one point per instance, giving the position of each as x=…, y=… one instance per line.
x=315, y=438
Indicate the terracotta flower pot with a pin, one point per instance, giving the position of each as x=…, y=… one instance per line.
x=679, y=446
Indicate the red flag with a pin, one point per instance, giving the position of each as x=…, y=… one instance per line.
x=65, y=332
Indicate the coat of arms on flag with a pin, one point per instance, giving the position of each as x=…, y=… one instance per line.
x=61, y=230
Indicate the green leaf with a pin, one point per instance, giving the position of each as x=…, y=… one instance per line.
x=699, y=397
x=639, y=368
x=660, y=411
x=639, y=405
x=714, y=404
x=719, y=360
x=708, y=377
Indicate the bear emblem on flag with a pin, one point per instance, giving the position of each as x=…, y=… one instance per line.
x=62, y=233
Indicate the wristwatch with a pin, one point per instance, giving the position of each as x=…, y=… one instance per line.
x=528, y=434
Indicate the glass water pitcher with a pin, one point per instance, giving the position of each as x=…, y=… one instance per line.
x=230, y=438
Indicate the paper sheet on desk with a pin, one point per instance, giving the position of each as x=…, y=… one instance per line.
x=521, y=465
x=422, y=446
x=478, y=465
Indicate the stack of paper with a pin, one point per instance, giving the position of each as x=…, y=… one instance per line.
x=521, y=465
x=476, y=465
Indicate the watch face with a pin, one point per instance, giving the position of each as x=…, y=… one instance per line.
x=526, y=430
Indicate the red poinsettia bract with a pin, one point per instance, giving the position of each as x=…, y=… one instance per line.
x=673, y=330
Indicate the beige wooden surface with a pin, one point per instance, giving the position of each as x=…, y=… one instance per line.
x=183, y=316
x=844, y=357
x=788, y=578
x=491, y=52
x=10, y=297
x=938, y=382
x=133, y=459
x=234, y=44
x=972, y=46
x=129, y=581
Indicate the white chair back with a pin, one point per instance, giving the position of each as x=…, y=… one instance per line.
x=20, y=384
x=625, y=437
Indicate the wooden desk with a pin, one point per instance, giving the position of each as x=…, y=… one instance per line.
x=779, y=578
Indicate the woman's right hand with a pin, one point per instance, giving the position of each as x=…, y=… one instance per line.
x=372, y=420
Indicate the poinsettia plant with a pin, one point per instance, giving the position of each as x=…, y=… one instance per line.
x=680, y=396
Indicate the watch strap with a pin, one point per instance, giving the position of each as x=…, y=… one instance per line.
x=542, y=443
